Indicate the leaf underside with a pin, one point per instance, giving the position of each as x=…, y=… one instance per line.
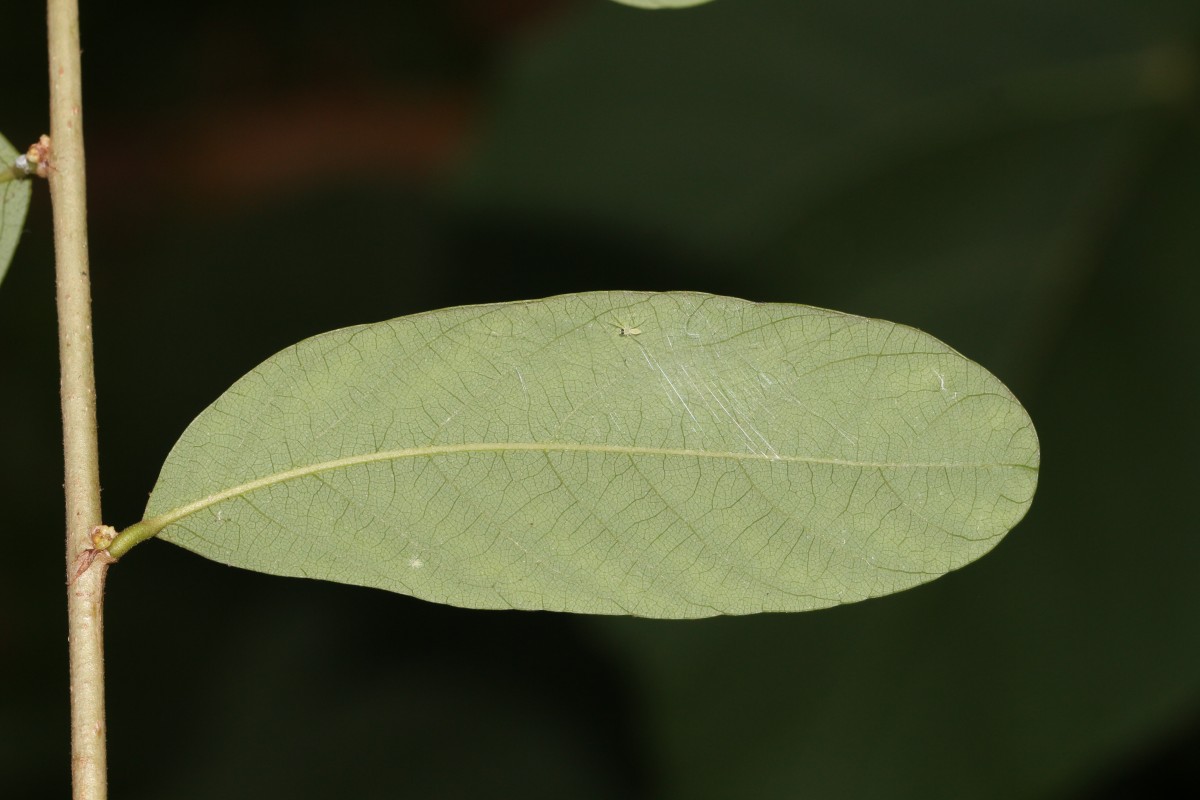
x=14, y=203
x=664, y=455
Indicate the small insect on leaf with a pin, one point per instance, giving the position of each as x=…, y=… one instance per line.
x=626, y=330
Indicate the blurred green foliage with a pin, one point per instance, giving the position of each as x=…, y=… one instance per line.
x=1019, y=178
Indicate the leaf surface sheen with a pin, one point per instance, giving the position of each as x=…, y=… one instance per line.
x=664, y=455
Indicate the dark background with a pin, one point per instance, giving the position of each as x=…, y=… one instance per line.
x=1020, y=178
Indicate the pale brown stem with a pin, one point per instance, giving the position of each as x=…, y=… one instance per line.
x=85, y=593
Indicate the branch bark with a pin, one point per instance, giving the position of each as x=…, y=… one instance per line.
x=85, y=593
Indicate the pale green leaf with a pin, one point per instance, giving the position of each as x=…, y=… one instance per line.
x=664, y=455
x=14, y=202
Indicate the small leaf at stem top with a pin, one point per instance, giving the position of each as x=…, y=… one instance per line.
x=659, y=4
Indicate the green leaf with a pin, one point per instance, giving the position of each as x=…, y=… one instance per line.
x=664, y=455
x=657, y=4
x=14, y=202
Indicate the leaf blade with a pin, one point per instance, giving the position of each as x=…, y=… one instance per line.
x=14, y=204
x=656, y=5
x=467, y=456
